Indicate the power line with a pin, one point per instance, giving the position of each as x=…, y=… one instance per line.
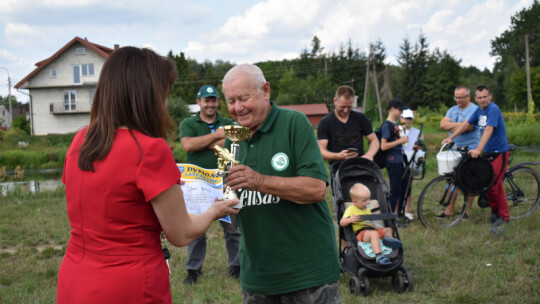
x=281, y=70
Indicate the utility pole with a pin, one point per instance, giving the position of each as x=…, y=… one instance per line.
x=528, y=68
x=377, y=91
x=9, y=97
x=366, y=86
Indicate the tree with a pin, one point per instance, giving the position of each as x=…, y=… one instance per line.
x=316, y=49
x=22, y=123
x=178, y=109
x=511, y=42
x=440, y=81
x=509, y=50
x=5, y=102
x=518, y=88
x=183, y=88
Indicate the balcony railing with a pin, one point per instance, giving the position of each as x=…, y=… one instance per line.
x=73, y=108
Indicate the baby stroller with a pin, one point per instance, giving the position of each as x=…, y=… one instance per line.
x=357, y=258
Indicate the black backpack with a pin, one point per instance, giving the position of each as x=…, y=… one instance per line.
x=380, y=157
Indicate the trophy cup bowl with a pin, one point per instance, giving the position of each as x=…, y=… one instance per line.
x=234, y=133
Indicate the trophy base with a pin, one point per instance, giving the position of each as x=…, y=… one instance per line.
x=231, y=194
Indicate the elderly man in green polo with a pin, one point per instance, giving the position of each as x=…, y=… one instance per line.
x=288, y=248
x=198, y=135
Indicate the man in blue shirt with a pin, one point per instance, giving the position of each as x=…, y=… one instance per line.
x=489, y=119
x=457, y=114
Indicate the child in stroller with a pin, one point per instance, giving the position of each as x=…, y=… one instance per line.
x=367, y=231
x=358, y=258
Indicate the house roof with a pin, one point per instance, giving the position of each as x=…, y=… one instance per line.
x=98, y=49
x=308, y=109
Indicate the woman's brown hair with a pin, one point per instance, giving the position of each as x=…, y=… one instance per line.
x=132, y=92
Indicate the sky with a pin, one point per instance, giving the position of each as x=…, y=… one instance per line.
x=243, y=31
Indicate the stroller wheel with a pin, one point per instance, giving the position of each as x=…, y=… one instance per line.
x=397, y=283
x=359, y=286
x=402, y=280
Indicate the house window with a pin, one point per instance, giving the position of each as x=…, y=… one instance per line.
x=77, y=74
x=91, y=93
x=82, y=70
x=80, y=51
x=87, y=69
x=69, y=100
x=53, y=72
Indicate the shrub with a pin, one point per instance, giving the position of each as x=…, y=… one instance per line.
x=22, y=123
x=180, y=155
x=25, y=159
x=523, y=135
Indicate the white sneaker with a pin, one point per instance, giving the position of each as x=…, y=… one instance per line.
x=409, y=216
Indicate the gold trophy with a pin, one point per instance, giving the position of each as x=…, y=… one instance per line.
x=234, y=133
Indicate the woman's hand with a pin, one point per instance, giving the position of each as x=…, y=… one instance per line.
x=222, y=208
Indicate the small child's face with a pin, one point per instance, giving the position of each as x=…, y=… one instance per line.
x=362, y=201
x=407, y=122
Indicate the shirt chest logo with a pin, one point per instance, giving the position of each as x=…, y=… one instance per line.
x=482, y=121
x=280, y=161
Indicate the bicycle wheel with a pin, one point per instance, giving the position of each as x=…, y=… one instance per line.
x=521, y=186
x=435, y=198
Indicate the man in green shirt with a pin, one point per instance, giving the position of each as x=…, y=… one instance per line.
x=198, y=134
x=288, y=248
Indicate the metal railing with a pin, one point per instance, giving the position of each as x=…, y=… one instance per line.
x=62, y=108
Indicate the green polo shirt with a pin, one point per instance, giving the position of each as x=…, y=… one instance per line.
x=285, y=246
x=194, y=126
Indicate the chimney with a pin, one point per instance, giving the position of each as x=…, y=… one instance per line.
x=116, y=46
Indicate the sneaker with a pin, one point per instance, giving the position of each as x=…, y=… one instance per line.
x=401, y=224
x=382, y=260
x=409, y=216
x=465, y=217
x=498, y=226
x=192, y=276
x=494, y=217
x=442, y=216
x=392, y=243
x=234, y=272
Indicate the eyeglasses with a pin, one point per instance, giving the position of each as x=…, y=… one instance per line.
x=211, y=127
x=460, y=97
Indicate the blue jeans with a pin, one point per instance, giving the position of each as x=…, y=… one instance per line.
x=397, y=185
x=197, y=248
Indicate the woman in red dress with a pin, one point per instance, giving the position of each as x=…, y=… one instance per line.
x=122, y=188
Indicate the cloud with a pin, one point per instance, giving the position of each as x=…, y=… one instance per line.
x=274, y=24
x=20, y=33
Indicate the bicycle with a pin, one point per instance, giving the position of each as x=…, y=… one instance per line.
x=521, y=186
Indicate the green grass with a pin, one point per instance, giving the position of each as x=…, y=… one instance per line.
x=449, y=266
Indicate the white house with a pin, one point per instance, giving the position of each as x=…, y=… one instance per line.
x=5, y=118
x=62, y=87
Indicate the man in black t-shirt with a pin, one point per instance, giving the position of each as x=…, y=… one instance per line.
x=343, y=129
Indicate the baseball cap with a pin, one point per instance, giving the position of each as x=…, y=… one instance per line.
x=396, y=103
x=407, y=113
x=207, y=91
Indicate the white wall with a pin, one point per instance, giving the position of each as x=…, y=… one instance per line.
x=46, y=90
x=46, y=122
x=64, y=69
x=5, y=118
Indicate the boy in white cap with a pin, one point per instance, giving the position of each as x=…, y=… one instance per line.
x=406, y=119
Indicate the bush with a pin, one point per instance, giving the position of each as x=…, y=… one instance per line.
x=22, y=123
x=523, y=135
x=180, y=155
x=25, y=159
x=12, y=135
